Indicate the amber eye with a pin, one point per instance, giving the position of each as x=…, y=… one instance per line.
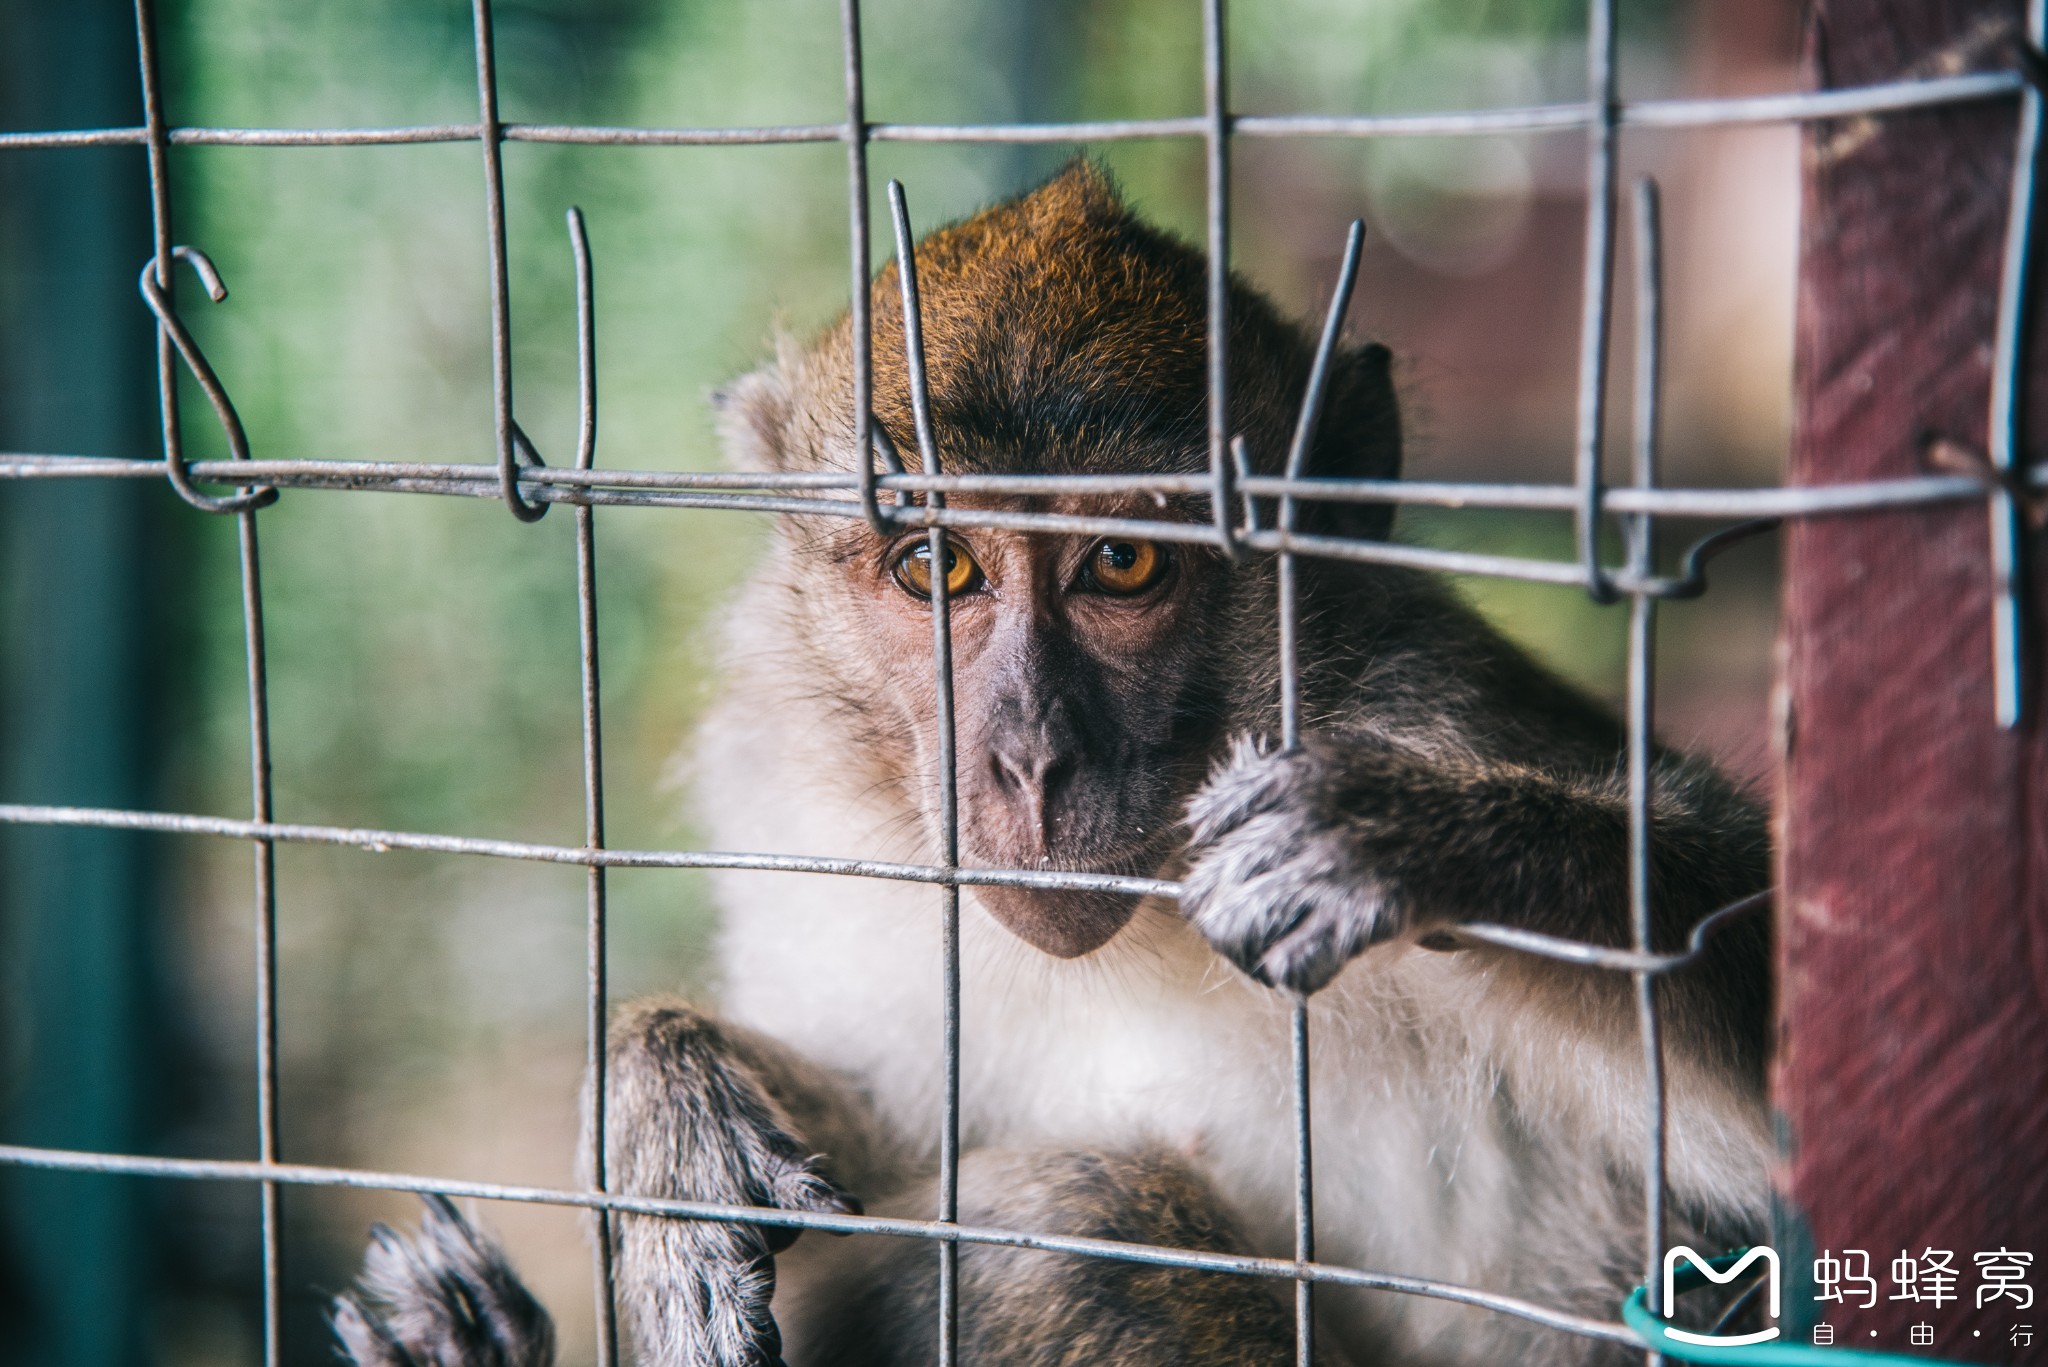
x=1118, y=566
x=914, y=570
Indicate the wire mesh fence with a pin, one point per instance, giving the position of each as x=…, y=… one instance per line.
x=1250, y=514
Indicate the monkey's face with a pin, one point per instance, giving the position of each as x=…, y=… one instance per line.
x=1093, y=680
x=1081, y=704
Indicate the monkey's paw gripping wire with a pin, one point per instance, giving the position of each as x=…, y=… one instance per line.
x=158, y=298
x=1636, y=1313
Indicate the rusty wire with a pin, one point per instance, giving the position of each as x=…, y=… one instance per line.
x=528, y=486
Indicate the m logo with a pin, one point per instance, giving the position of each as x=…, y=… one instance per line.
x=1706, y=1269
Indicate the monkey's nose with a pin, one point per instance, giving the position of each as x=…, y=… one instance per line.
x=1031, y=777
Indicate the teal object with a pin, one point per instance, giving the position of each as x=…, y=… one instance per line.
x=1635, y=1312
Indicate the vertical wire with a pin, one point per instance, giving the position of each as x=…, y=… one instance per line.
x=157, y=137
x=949, y=1133
x=264, y=852
x=1304, y=1189
x=1216, y=147
x=913, y=334
x=1642, y=643
x=491, y=134
x=2008, y=382
x=266, y=933
x=949, y=796
x=596, y=962
x=1215, y=95
x=862, y=333
x=1290, y=738
x=1595, y=300
x=1305, y=426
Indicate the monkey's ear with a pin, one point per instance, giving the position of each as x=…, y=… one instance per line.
x=753, y=420
x=1359, y=438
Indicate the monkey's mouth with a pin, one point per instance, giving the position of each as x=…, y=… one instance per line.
x=1069, y=922
x=1063, y=922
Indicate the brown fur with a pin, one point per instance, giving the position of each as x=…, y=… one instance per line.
x=877, y=1306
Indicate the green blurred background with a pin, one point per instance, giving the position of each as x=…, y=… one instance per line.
x=423, y=650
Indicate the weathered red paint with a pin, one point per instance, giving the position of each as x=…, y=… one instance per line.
x=1912, y=1070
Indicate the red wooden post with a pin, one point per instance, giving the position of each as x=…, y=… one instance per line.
x=1912, y=1072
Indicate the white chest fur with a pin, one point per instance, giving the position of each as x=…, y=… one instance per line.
x=1439, y=1152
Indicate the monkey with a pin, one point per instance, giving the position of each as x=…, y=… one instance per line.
x=1478, y=1112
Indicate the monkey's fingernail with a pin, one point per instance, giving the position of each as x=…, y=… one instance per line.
x=1302, y=971
x=841, y=1203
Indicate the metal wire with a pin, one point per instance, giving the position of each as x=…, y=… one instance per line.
x=299, y=1174
x=657, y=488
x=1641, y=717
x=1198, y=511
x=158, y=296
x=1216, y=340
x=1603, y=91
x=1886, y=97
x=172, y=344
x=1288, y=613
x=489, y=135
x=862, y=329
x=384, y=842
x=596, y=951
x=2008, y=393
x=947, y=775
x=266, y=930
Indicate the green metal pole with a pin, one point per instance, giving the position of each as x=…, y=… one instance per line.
x=77, y=965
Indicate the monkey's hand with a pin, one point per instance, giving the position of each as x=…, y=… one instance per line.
x=692, y=1118
x=445, y=1296
x=1303, y=860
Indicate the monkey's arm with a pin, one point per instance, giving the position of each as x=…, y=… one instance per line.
x=1301, y=861
x=703, y=1111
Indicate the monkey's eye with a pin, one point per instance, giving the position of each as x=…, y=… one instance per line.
x=1126, y=567
x=913, y=570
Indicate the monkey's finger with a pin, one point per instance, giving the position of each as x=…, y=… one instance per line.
x=800, y=1186
x=1250, y=894
x=1254, y=927
x=703, y=1293
x=766, y=1347
x=442, y=1294
x=1305, y=961
x=1306, y=958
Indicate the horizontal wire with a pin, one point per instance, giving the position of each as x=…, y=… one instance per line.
x=384, y=842
x=686, y=490
x=302, y=1174
x=381, y=842
x=1790, y=107
x=415, y=477
x=1620, y=960
x=659, y=489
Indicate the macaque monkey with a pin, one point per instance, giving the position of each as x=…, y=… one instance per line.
x=1479, y=1112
